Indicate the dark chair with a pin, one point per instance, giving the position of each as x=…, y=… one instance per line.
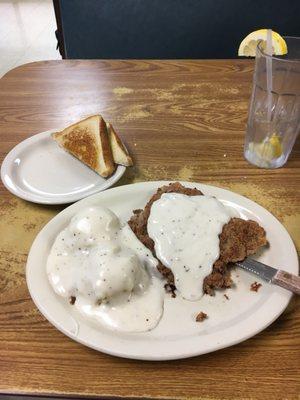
x=167, y=29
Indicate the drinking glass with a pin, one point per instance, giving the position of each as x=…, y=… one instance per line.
x=274, y=112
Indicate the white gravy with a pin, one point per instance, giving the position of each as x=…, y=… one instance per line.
x=109, y=271
x=185, y=230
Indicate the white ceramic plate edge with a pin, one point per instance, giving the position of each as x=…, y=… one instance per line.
x=17, y=191
x=282, y=299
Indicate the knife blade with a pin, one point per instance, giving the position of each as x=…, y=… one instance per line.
x=272, y=275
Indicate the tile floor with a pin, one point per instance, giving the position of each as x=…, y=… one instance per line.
x=27, y=33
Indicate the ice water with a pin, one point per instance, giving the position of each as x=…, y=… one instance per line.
x=274, y=115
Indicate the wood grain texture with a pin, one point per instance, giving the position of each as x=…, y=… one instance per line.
x=180, y=120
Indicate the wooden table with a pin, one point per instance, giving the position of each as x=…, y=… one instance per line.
x=181, y=120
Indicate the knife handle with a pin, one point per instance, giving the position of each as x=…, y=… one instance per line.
x=287, y=281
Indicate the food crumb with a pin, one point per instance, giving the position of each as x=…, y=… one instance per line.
x=226, y=297
x=72, y=300
x=201, y=316
x=169, y=288
x=255, y=286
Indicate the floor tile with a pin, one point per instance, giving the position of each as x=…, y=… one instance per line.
x=27, y=33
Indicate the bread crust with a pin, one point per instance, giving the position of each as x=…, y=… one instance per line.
x=114, y=136
x=106, y=149
x=82, y=143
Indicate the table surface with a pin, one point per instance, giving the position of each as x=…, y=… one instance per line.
x=181, y=120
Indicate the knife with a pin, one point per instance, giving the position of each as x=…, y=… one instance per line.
x=272, y=275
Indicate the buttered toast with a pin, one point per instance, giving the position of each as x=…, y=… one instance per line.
x=88, y=141
x=119, y=151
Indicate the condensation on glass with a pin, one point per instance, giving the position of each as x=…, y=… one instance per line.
x=274, y=115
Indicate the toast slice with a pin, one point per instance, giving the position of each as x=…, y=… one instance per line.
x=88, y=141
x=119, y=151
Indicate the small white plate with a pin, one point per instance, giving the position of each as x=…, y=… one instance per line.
x=177, y=335
x=38, y=170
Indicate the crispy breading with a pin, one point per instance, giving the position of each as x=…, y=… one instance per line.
x=239, y=238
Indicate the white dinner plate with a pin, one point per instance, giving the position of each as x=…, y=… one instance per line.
x=177, y=335
x=40, y=171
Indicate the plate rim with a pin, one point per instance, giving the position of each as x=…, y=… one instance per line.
x=38, y=199
x=153, y=357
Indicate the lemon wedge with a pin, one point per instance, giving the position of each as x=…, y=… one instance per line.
x=269, y=149
x=275, y=143
x=248, y=46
